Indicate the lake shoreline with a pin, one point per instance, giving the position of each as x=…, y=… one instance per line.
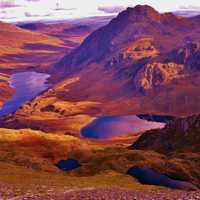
x=27, y=86
x=107, y=127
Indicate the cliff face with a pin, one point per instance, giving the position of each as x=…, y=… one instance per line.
x=178, y=63
x=156, y=74
x=188, y=55
x=180, y=135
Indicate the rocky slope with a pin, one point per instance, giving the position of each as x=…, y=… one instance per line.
x=5, y=90
x=179, y=135
x=178, y=63
x=165, y=30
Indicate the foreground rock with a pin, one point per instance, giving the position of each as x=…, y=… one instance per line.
x=180, y=142
x=179, y=135
x=115, y=194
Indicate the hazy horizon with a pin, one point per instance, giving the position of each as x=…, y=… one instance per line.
x=35, y=10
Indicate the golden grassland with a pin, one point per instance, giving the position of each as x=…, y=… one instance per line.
x=21, y=181
x=28, y=158
x=40, y=151
x=12, y=40
x=21, y=49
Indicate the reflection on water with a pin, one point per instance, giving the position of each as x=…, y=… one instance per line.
x=27, y=85
x=113, y=126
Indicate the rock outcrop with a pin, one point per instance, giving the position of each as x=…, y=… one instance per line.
x=180, y=135
x=156, y=74
x=179, y=141
x=189, y=55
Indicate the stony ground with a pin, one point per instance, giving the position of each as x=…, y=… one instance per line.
x=111, y=194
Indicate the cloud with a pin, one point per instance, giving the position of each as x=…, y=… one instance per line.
x=24, y=10
x=61, y=8
x=33, y=0
x=8, y=4
x=6, y=17
x=111, y=9
x=28, y=14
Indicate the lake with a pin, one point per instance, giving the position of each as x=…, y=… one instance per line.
x=151, y=177
x=27, y=86
x=113, y=126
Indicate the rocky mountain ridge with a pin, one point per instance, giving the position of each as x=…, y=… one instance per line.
x=179, y=135
x=129, y=26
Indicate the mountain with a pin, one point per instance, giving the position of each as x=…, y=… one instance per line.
x=139, y=53
x=165, y=31
x=141, y=62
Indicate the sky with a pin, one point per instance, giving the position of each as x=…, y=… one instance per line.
x=33, y=10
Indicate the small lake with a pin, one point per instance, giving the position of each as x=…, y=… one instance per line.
x=105, y=127
x=151, y=177
x=27, y=86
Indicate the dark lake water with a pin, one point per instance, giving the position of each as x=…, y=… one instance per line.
x=27, y=85
x=151, y=177
x=112, y=126
x=68, y=165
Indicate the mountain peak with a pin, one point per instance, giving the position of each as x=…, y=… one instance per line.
x=143, y=9
x=140, y=12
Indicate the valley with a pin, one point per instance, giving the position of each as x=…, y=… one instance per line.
x=119, y=95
